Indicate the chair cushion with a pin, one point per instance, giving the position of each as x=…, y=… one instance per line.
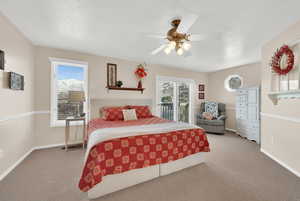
x=221, y=117
x=211, y=122
x=212, y=107
x=207, y=115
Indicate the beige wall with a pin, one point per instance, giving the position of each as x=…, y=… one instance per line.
x=97, y=82
x=280, y=137
x=16, y=119
x=216, y=92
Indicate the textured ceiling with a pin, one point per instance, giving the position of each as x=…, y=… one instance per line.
x=235, y=30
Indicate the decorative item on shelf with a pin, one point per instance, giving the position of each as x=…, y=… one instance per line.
x=201, y=87
x=277, y=64
x=119, y=83
x=77, y=97
x=201, y=96
x=141, y=73
x=111, y=75
x=2, y=61
x=16, y=81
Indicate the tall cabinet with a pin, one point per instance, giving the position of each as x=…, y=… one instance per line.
x=248, y=113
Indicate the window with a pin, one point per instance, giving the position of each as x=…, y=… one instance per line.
x=68, y=76
x=233, y=82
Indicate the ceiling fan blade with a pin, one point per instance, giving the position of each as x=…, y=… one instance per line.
x=157, y=50
x=160, y=36
x=187, y=22
x=196, y=37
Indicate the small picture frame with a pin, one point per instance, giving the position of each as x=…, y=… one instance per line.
x=2, y=61
x=111, y=74
x=201, y=87
x=16, y=81
x=201, y=96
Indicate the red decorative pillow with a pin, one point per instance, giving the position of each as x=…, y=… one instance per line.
x=113, y=113
x=141, y=111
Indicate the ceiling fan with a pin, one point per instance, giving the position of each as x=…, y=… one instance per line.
x=178, y=38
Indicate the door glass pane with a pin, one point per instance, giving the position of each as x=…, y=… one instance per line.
x=69, y=78
x=167, y=98
x=183, y=102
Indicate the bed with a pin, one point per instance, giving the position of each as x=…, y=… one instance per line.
x=124, y=153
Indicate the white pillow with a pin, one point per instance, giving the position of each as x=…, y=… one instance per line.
x=129, y=115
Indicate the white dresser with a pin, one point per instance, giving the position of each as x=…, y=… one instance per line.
x=248, y=113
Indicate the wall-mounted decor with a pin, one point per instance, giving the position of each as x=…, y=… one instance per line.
x=111, y=75
x=278, y=65
x=233, y=82
x=16, y=81
x=201, y=96
x=201, y=87
x=141, y=73
x=2, y=62
x=285, y=74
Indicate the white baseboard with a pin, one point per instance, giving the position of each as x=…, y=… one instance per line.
x=11, y=168
x=280, y=162
x=49, y=146
x=231, y=130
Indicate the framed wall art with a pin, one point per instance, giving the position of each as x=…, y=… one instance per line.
x=16, y=81
x=111, y=75
x=2, y=62
x=201, y=87
x=201, y=96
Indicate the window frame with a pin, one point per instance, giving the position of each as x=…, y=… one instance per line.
x=53, y=94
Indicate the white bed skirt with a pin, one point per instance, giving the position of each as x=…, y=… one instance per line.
x=115, y=182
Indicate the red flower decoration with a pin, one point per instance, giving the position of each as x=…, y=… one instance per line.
x=275, y=64
x=140, y=72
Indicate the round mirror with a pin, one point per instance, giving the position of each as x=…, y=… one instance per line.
x=233, y=82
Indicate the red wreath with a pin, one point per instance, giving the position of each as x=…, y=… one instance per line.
x=284, y=50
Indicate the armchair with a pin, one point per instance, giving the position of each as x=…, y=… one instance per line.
x=216, y=126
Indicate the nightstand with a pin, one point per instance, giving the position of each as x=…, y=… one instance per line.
x=67, y=130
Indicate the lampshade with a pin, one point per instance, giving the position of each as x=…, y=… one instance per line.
x=180, y=51
x=76, y=96
x=168, y=50
x=172, y=45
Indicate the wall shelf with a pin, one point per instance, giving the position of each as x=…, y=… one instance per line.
x=275, y=96
x=126, y=89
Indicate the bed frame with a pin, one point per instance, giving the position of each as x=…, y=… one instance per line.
x=116, y=182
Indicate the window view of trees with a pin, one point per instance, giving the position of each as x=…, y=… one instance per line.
x=167, y=98
x=166, y=101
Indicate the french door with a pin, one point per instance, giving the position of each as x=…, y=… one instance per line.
x=174, y=98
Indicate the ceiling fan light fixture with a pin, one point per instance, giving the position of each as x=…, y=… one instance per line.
x=172, y=45
x=186, y=46
x=167, y=50
x=179, y=51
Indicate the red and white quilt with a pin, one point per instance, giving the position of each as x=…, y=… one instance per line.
x=116, y=147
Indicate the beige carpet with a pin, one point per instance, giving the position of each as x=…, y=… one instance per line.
x=235, y=170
